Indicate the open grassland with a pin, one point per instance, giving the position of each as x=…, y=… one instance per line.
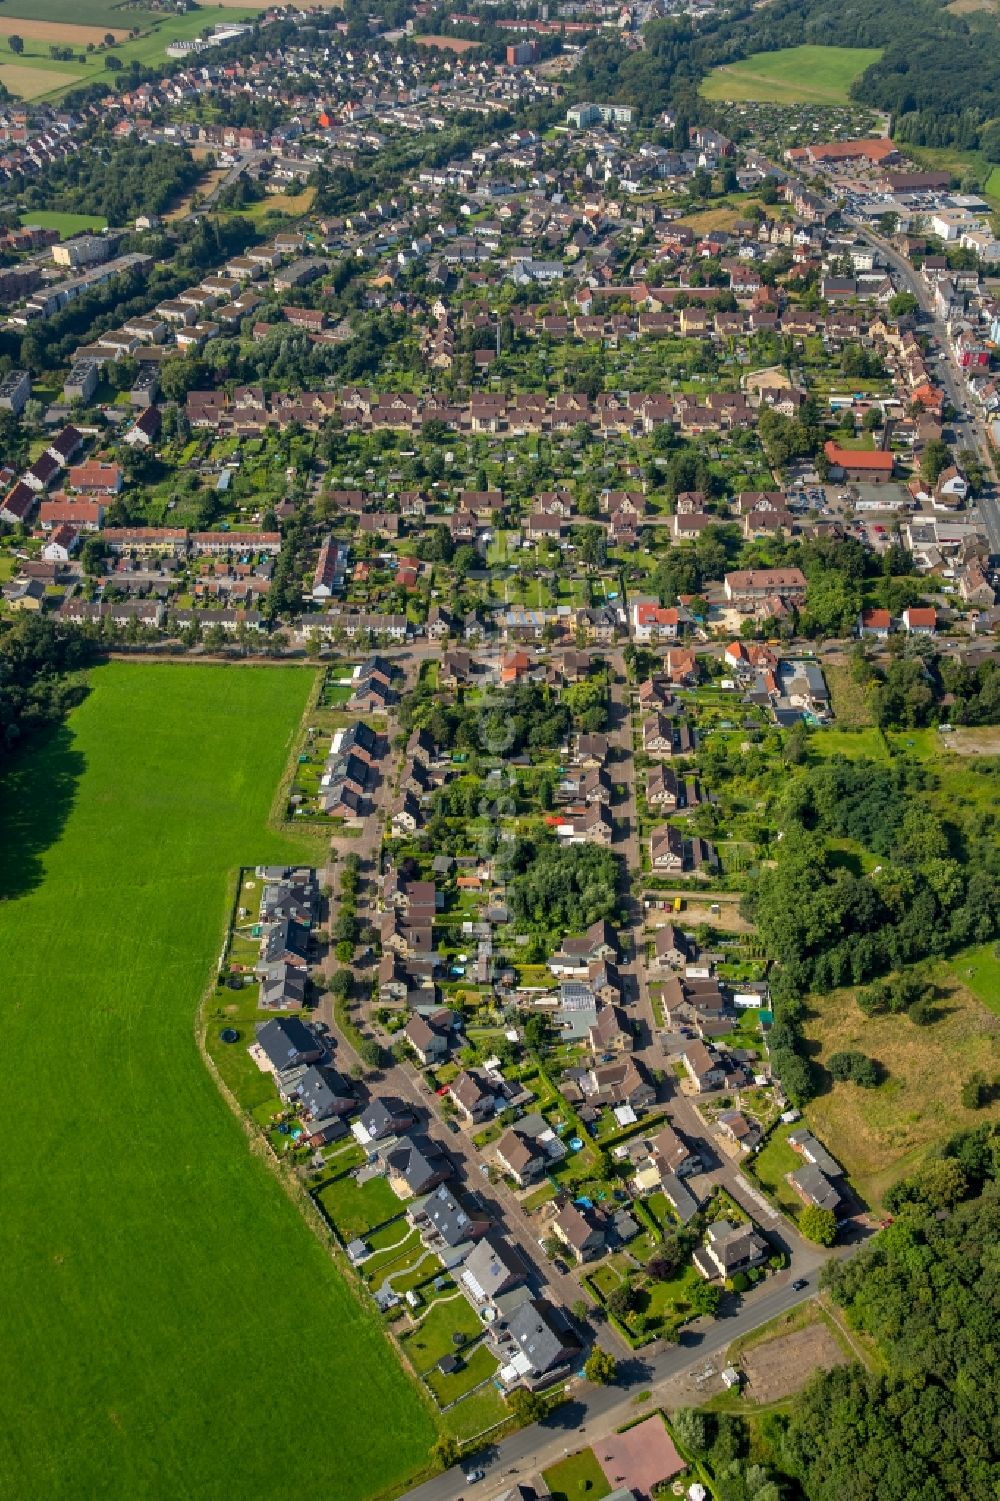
x=978, y=970
x=25, y=81
x=290, y=205
x=881, y=1134
x=169, y=1322
x=794, y=75
x=67, y=224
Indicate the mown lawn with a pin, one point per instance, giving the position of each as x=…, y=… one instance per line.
x=578, y=1475
x=355, y=1208
x=67, y=224
x=434, y=1336
x=774, y=1161
x=150, y=1260
x=793, y=75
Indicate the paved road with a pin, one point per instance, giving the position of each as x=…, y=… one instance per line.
x=592, y=1412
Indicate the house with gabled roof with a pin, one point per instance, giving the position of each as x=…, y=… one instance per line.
x=581, y=1230
x=284, y=1042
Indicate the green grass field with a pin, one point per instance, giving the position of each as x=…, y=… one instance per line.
x=79, y=13
x=578, y=1475
x=170, y=1326
x=67, y=224
x=978, y=970
x=794, y=75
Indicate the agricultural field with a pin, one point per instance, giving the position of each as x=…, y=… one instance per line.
x=25, y=81
x=33, y=74
x=78, y=13
x=793, y=75
x=59, y=31
x=133, y=1206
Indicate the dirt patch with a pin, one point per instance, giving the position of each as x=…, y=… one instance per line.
x=782, y=1366
x=206, y=184
x=446, y=43
x=58, y=31
x=30, y=83
x=969, y=742
x=727, y=919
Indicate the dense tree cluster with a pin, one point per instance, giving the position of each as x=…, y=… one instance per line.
x=525, y=717
x=828, y=924
x=563, y=888
x=119, y=181
x=927, y=1291
x=39, y=677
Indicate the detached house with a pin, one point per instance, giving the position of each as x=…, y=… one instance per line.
x=703, y=1068
x=581, y=1230
x=730, y=1248
x=430, y=1043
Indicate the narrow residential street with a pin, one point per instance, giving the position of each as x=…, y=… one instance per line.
x=591, y=1411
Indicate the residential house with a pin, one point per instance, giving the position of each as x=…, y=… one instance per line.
x=620, y=1083
x=536, y=1344
x=285, y=1042
x=672, y=948
x=730, y=1248
x=282, y=988
x=431, y=1043
x=414, y=1165
x=384, y=1116
x=703, y=1068
x=474, y=1094
x=520, y=1157
x=582, y=1230
x=492, y=1268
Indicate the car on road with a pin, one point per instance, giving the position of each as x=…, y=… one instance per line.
x=799, y=1284
x=472, y=1476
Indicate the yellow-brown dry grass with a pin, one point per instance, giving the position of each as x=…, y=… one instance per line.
x=880, y=1135
x=446, y=43
x=31, y=83
x=58, y=31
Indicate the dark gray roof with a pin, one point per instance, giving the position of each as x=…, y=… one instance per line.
x=324, y=1093
x=539, y=1336
x=285, y=1041
x=381, y=1117
x=447, y=1216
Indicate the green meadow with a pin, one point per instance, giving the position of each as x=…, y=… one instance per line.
x=67, y=224
x=793, y=75
x=170, y=1326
